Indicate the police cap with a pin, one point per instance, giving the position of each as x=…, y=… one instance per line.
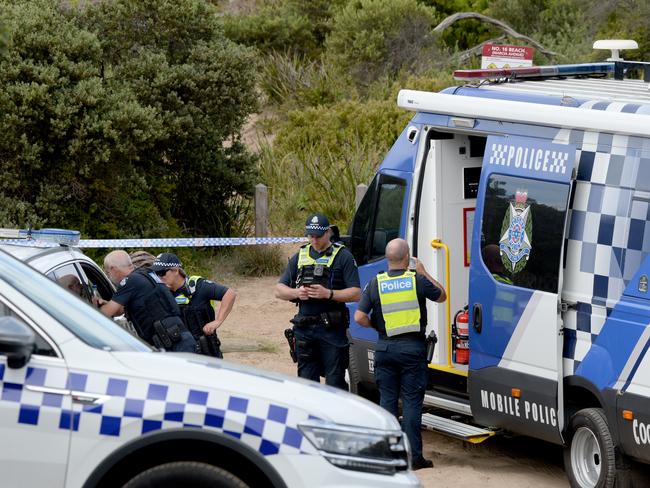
x=166, y=260
x=316, y=225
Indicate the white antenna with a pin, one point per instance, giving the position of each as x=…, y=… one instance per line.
x=615, y=45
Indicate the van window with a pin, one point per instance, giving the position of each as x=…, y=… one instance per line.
x=522, y=231
x=378, y=218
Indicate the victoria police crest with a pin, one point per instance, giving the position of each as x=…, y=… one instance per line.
x=516, y=234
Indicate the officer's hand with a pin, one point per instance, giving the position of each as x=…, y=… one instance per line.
x=303, y=293
x=211, y=327
x=318, y=291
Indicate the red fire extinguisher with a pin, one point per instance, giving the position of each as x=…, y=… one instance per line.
x=462, y=337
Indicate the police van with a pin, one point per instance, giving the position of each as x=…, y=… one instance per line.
x=526, y=191
x=83, y=403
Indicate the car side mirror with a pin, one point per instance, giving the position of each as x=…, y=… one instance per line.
x=16, y=341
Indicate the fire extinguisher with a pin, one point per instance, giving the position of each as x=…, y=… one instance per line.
x=461, y=326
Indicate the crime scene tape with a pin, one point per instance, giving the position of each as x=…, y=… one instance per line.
x=187, y=242
x=159, y=242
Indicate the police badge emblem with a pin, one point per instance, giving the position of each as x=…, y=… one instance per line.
x=516, y=234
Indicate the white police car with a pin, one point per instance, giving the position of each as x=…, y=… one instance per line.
x=84, y=403
x=66, y=265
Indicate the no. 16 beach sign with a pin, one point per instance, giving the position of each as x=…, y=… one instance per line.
x=505, y=56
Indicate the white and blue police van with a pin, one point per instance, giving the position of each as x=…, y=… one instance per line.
x=84, y=403
x=526, y=192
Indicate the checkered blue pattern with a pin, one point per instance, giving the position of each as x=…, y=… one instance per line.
x=609, y=232
x=163, y=242
x=131, y=407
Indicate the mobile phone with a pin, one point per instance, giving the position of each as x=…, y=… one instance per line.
x=412, y=263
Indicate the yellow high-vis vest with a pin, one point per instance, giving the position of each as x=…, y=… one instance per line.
x=399, y=303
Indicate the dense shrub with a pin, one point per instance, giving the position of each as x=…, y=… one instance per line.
x=295, y=27
x=121, y=118
x=295, y=81
x=376, y=38
x=321, y=154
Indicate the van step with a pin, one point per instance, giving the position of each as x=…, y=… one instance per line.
x=447, y=402
x=452, y=428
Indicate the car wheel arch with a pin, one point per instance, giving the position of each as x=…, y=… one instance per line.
x=187, y=444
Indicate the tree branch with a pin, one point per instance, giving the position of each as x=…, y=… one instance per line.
x=501, y=25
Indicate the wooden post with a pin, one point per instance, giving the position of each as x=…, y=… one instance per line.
x=361, y=191
x=261, y=210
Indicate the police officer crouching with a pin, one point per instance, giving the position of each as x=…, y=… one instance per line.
x=194, y=296
x=396, y=302
x=148, y=304
x=321, y=278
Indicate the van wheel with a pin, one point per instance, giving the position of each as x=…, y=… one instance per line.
x=353, y=370
x=185, y=474
x=590, y=456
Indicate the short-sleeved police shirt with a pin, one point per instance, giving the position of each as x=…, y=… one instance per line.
x=132, y=293
x=205, y=291
x=344, y=275
x=370, y=303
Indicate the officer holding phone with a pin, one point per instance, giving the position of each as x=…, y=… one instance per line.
x=320, y=279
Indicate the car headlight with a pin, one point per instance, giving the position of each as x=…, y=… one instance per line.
x=359, y=449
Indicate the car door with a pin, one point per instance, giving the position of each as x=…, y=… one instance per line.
x=515, y=377
x=36, y=417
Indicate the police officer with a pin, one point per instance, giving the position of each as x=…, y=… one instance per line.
x=321, y=278
x=148, y=303
x=396, y=302
x=194, y=296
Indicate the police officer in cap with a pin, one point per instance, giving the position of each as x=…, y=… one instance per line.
x=148, y=303
x=194, y=296
x=321, y=278
x=394, y=303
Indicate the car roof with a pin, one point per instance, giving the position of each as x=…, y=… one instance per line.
x=30, y=252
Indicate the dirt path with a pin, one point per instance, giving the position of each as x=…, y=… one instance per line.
x=253, y=335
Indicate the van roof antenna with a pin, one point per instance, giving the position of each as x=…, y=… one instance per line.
x=615, y=46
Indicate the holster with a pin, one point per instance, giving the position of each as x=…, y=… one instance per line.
x=291, y=339
x=210, y=345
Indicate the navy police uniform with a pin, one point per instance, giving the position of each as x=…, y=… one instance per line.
x=152, y=308
x=401, y=359
x=195, y=301
x=322, y=347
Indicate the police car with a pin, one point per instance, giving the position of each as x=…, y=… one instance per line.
x=51, y=252
x=83, y=403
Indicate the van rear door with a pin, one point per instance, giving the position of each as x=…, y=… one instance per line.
x=515, y=378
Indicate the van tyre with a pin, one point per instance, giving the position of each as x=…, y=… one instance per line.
x=353, y=371
x=590, y=456
x=185, y=474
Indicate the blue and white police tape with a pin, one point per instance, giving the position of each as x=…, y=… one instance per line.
x=162, y=242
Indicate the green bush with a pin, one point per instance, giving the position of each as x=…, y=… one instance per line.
x=295, y=27
x=258, y=261
x=122, y=118
x=270, y=30
x=290, y=80
x=375, y=38
x=321, y=154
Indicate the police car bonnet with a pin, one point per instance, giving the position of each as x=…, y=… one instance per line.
x=316, y=225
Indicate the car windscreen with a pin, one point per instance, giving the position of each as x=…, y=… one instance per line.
x=84, y=321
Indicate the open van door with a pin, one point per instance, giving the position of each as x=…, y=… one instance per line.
x=515, y=377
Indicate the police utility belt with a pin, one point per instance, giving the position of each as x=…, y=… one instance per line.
x=167, y=332
x=335, y=319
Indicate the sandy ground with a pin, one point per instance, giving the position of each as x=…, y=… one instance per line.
x=253, y=335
